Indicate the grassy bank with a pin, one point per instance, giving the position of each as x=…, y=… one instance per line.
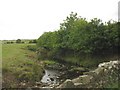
x=19, y=65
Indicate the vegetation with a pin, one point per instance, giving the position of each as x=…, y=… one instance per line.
x=32, y=47
x=79, y=40
x=32, y=41
x=20, y=65
x=18, y=41
x=28, y=41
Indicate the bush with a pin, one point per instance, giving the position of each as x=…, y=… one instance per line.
x=32, y=47
x=18, y=41
x=30, y=74
x=79, y=36
x=33, y=41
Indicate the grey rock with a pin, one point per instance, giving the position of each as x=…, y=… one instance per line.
x=67, y=84
x=94, y=79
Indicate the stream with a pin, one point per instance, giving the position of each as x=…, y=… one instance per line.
x=53, y=77
x=50, y=77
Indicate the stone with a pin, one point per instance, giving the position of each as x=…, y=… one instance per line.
x=76, y=80
x=80, y=85
x=38, y=83
x=95, y=78
x=101, y=65
x=67, y=84
x=91, y=73
x=99, y=70
x=85, y=79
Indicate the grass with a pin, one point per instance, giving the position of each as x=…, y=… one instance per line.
x=0, y=63
x=88, y=61
x=20, y=63
x=83, y=61
x=49, y=62
x=15, y=55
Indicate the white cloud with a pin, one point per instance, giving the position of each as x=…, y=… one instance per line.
x=31, y=18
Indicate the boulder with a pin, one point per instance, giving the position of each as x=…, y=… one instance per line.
x=96, y=78
x=76, y=80
x=79, y=85
x=99, y=71
x=67, y=84
x=84, y=79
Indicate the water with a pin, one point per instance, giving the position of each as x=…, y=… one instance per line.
x=50, y=77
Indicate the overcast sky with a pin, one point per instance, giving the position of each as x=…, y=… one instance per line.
x=28, y=19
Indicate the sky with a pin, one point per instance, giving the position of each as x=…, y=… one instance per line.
x=29, y=19
x=119, y=11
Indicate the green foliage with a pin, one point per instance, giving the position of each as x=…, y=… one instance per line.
x=79, y=36
x=49, y=62
x=48, y=40
x=18, y=41
x=32, y=47
x=33, y=41
x=30, y=74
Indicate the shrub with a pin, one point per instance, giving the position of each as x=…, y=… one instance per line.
x=32, y=47
x=18, y=41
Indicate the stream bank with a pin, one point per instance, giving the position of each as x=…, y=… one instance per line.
x=105, y=76
x=56, y=74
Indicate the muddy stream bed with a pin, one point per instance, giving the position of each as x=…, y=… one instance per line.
x=51, y=77
x=54, y=77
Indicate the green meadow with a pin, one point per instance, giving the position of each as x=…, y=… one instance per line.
x=19, y=65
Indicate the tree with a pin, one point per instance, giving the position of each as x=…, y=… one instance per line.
x=77, y=35
x=18, y=41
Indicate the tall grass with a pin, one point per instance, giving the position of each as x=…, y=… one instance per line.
x=21, y=63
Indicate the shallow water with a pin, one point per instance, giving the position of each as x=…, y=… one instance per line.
x=50, y=77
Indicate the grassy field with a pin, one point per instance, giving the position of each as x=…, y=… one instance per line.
x=19, y=65
x=0, y=64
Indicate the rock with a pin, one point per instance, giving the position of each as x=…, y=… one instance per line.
x=57, y=77
x=85, y=79
x=80, y=85
x=23, y=84
x=67, y=84
x=101, y=65
x=48, y=79
x=99, y=70
x=96, y=78
x=38, y=83
x=29, y=88
x=76, y=80
x=51, y=79
x=92, y=73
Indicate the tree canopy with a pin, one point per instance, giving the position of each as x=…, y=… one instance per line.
x=79, y=35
